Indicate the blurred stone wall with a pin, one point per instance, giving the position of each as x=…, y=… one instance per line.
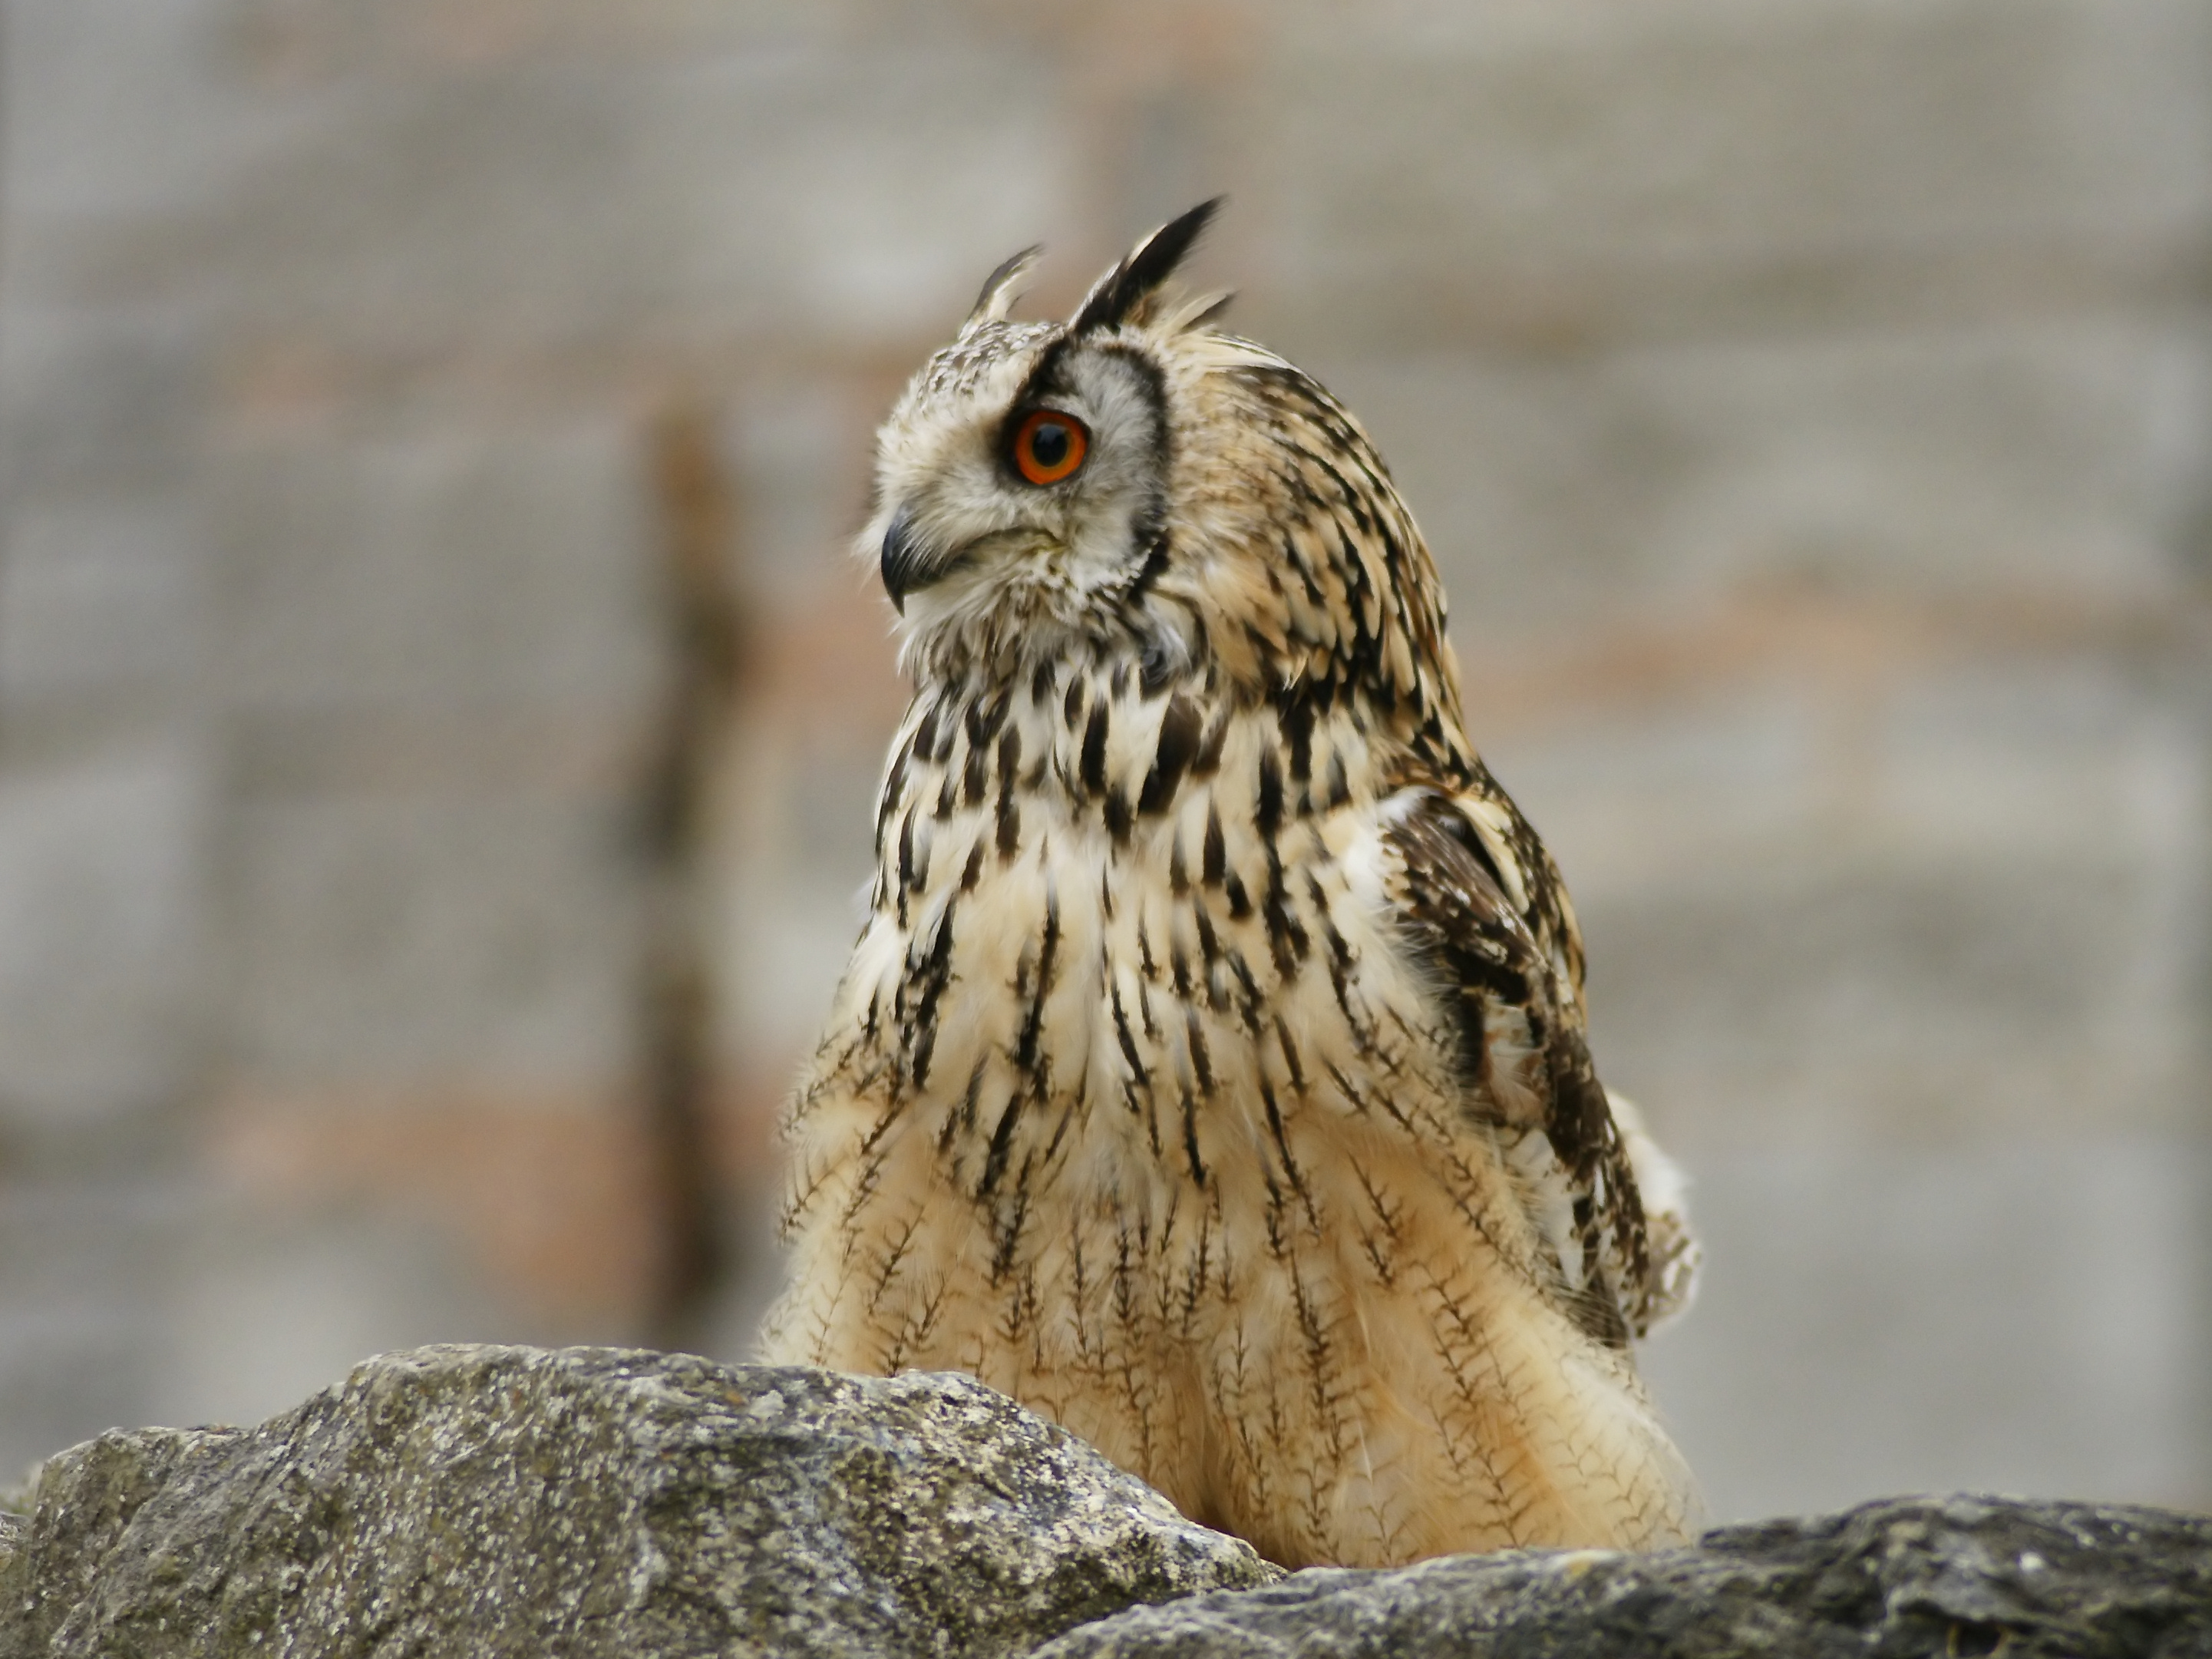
x=1810, y=405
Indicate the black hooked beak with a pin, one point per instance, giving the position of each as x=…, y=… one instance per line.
x=905, y=560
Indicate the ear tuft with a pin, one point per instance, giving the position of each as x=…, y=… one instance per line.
x=1001, y=288
x=1124, y=294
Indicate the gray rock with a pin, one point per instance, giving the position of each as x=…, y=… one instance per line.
x=1913, y=1576
x=486, y=1500
x=592, y=1501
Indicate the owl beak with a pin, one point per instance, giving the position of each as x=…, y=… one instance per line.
x=905, y=563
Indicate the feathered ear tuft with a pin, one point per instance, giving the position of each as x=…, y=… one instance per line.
x=1001, y=288
x=1124, y=294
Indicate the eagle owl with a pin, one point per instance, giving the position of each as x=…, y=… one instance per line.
x=1210, y=1075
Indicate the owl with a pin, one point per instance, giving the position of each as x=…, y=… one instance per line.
x=1210, y=1075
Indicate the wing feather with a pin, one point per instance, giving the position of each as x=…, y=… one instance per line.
x=1507, y=975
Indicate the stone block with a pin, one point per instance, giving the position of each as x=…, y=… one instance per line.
x=442, y=572
x=1964, y=903
x=118, y=109
x=79, y=1334
x=790, y=895
x=100, y=400
x=2017, y=1315
x=800, y=448
x=102, y=600
x=394, y=940
x=1641, y=486
x=105, y=960
x=1550, y=173
x=259, y=1301
x=1890, y=999
x=535, y=204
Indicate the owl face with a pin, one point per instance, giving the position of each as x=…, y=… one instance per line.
x=1134, y=485
x=1024, y=481
x=1033, y=484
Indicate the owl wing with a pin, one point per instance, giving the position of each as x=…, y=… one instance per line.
x=1485, y=915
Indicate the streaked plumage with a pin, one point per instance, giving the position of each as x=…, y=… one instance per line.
x=1211, y=1074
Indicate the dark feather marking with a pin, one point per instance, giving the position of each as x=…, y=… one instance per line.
x=1268, y=815
x=1278, y=1242
x=1291, y=1173
x=1190, y=1138
x=1181, y=726
x=1291, y=1064
x=1207, y=761
x=1251, y=1005
x=934, y=975
x=1240, y=902
x=1121, y=290
x=1286, y=935
x=1002, y=1140
x=1339, y=787
x=963, y=1117
x=1025, y=1051
x=1317, y=1362
x=983, y=718
x=1120, y=820
x=1201, y=1057
x=1155, y=565
x=1215, y=858
x=905, y=865
x=1007, y=270
x=1296, y=715
x=894, y=791
x=925, y=734
x=1073, y=1105
x=971, y=782
x=1009, y=815
x=1094, y=752
x=1125, y=1037
x=1340, y=966
x=1209, y=944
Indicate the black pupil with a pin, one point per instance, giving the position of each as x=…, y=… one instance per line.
x=1049, y=444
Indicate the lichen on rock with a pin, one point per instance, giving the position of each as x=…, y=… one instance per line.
x=480, y=1500
x=597, y=1502
x=1904, y=1577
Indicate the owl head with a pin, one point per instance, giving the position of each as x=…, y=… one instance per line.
x=1133, y=484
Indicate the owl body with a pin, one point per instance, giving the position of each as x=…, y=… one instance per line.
x=1209, y=1073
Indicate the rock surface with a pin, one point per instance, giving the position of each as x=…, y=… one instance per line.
x=482, y=1500
x=591, y=1501
x=1906, y=1576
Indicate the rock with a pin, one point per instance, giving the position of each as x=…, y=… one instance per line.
x=595, y=1501
x=1914, y=1575
x=485, y=1500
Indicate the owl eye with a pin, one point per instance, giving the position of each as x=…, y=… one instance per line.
x=1049, y=446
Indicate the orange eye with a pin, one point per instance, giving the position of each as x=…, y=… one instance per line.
x=1049, y=446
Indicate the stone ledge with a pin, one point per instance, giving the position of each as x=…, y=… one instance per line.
x=591, y=1501
x=1949, y=1575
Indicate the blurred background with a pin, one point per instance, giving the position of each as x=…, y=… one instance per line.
x=438, y=714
